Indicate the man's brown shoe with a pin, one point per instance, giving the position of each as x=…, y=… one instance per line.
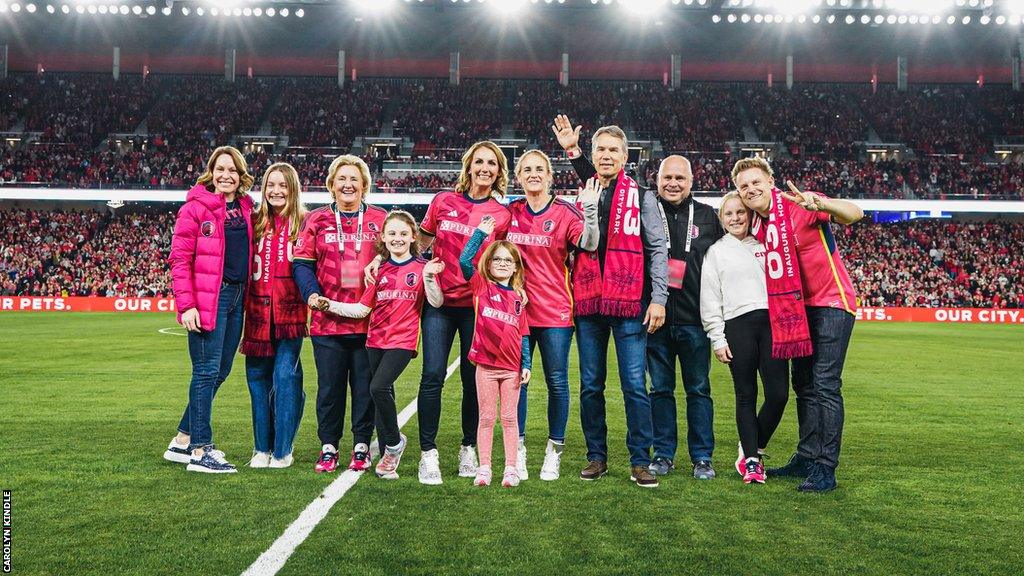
x=594, y=470
x=643, y=477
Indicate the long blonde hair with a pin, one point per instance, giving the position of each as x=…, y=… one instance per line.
x=500, y=182
x=245, y=180
x=483, y=267
x=294, y=211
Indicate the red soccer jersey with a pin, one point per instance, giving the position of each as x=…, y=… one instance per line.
x=339, y=272
x=500, y=325
x=396, y=299
x=822, y=272
x=451, y=219
x=544, y=239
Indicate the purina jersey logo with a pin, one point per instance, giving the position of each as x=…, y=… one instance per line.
x=410, y=279
x=549, y=225
x=206, y=228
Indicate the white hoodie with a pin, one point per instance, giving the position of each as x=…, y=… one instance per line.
x=731, y=284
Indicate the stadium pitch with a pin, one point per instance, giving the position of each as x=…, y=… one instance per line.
x=929, y=482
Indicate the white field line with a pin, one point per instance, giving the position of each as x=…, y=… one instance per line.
x=271, y=561
x=173, y=331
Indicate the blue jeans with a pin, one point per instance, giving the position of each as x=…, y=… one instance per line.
x=690, y=345
x=818, y=382
x=630, y=336
x=212, y=354
x=554, y=351
x=439, y=328
x=275, y=386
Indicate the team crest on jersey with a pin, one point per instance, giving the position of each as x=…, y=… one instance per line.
x=549, y=225
x=694, y=231
x=206, y=228
x=519, y=307
x=373, y=227
x=410, y=279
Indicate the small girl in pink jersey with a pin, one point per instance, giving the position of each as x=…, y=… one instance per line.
x=501, y=344
x=394, y=303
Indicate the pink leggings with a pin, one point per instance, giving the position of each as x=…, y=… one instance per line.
x=490, y=384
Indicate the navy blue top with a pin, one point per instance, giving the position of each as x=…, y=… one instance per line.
x=236, y=244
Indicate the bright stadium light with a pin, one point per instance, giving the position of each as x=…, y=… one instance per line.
x=642, y=7
x=363, y=7
x=300, y=13
x=166, y=11
x=30, y=8
x=506, y=8
x=794, y=7
x=920, y=6
x=150, y=10
x=50, y=9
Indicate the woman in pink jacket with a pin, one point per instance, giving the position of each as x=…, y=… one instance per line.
x=210, y=259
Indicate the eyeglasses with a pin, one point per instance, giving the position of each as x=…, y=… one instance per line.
x=498, y=259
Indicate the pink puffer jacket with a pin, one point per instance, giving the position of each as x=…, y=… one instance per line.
x=197, y=252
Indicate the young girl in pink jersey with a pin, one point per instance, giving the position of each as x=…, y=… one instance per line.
x=501, y=344
x=393, y=303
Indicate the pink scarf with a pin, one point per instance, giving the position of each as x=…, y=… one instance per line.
x=618, y=292
x=273, y=300
x=791, y=336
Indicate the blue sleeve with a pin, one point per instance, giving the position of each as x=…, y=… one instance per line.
x=304, y=272
x=469, y=252
x=527, y=361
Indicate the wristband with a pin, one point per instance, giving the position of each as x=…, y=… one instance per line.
x=574, y=153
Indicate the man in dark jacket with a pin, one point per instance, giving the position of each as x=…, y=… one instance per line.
x=692, y=227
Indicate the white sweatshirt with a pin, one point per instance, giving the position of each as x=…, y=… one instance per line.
x=731, y=284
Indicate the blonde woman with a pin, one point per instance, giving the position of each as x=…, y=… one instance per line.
x=275, y=321
x=210, y=265
x=334, y=245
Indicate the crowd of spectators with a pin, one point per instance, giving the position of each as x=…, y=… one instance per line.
x=929, y=263
x=696, y=117
x=33, y=242
x=435, y=114
x=935, y=120
x=589, y=104
x=808, y=119
x=316, y=112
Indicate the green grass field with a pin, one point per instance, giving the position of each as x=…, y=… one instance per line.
x=929, y=484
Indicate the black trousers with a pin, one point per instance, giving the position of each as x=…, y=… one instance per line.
x=750, y=340
x=341, y=363
x=385, y=368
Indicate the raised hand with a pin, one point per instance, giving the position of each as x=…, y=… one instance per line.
x=590, y=193
x=486, y=225
x=568, y=137
x=806, y=200
x=433, y=268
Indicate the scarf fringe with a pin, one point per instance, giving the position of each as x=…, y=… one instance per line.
x=588, y=307
x=288, y=331
x=620, y=308
x=254, y=348
x=787, y=350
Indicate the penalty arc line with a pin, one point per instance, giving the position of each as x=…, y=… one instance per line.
x=275, y=557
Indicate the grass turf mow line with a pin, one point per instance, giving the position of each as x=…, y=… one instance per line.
x=271, y=561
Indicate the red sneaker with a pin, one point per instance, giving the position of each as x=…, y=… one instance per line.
x=327, y=462
x=754, y=472
x=360, y=458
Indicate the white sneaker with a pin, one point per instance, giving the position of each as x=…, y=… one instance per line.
x=521, y=460
x=741, y=466
x=430, y=469
x=483, y=476
x=552, y=461
x=260, y=460
x=281, y=462
x=467, y=462
x=511, y=478
x=178, y=453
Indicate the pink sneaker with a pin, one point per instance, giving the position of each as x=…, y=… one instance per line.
x=754, y=472
x=483, y=476
x=327, y=462
x=360, y=458
x=740, y=467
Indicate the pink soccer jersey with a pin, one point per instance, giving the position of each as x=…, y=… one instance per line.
x=451, y=219
x=822, y=272
x=318, y=242
x=544, y=239
x=500, y=325
x=396, y=299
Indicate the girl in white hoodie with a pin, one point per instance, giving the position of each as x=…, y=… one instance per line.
x=734, y=310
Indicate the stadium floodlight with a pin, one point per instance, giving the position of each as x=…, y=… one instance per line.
x=50, y=9
x=271, y=12
x=643, y=8
x=716, y=18
x=103, y=9
x=920, y=6
x=166, y=11
x=300, y=13
x=364, y=7
x=731, y=18
x=1014, y=6
x=794, y=7
x=65, y=9
x=30, y=8
x=283, y=12
x=507, y=8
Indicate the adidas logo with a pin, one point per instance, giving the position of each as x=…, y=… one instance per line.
x=496, y=298
x=384, y=280
x=515, y=223
x=453, y=213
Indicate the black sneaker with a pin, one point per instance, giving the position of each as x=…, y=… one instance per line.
x=702, y=470
x=821, y=479
x=797, y=467
x=661, y=466
x=211, y=462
